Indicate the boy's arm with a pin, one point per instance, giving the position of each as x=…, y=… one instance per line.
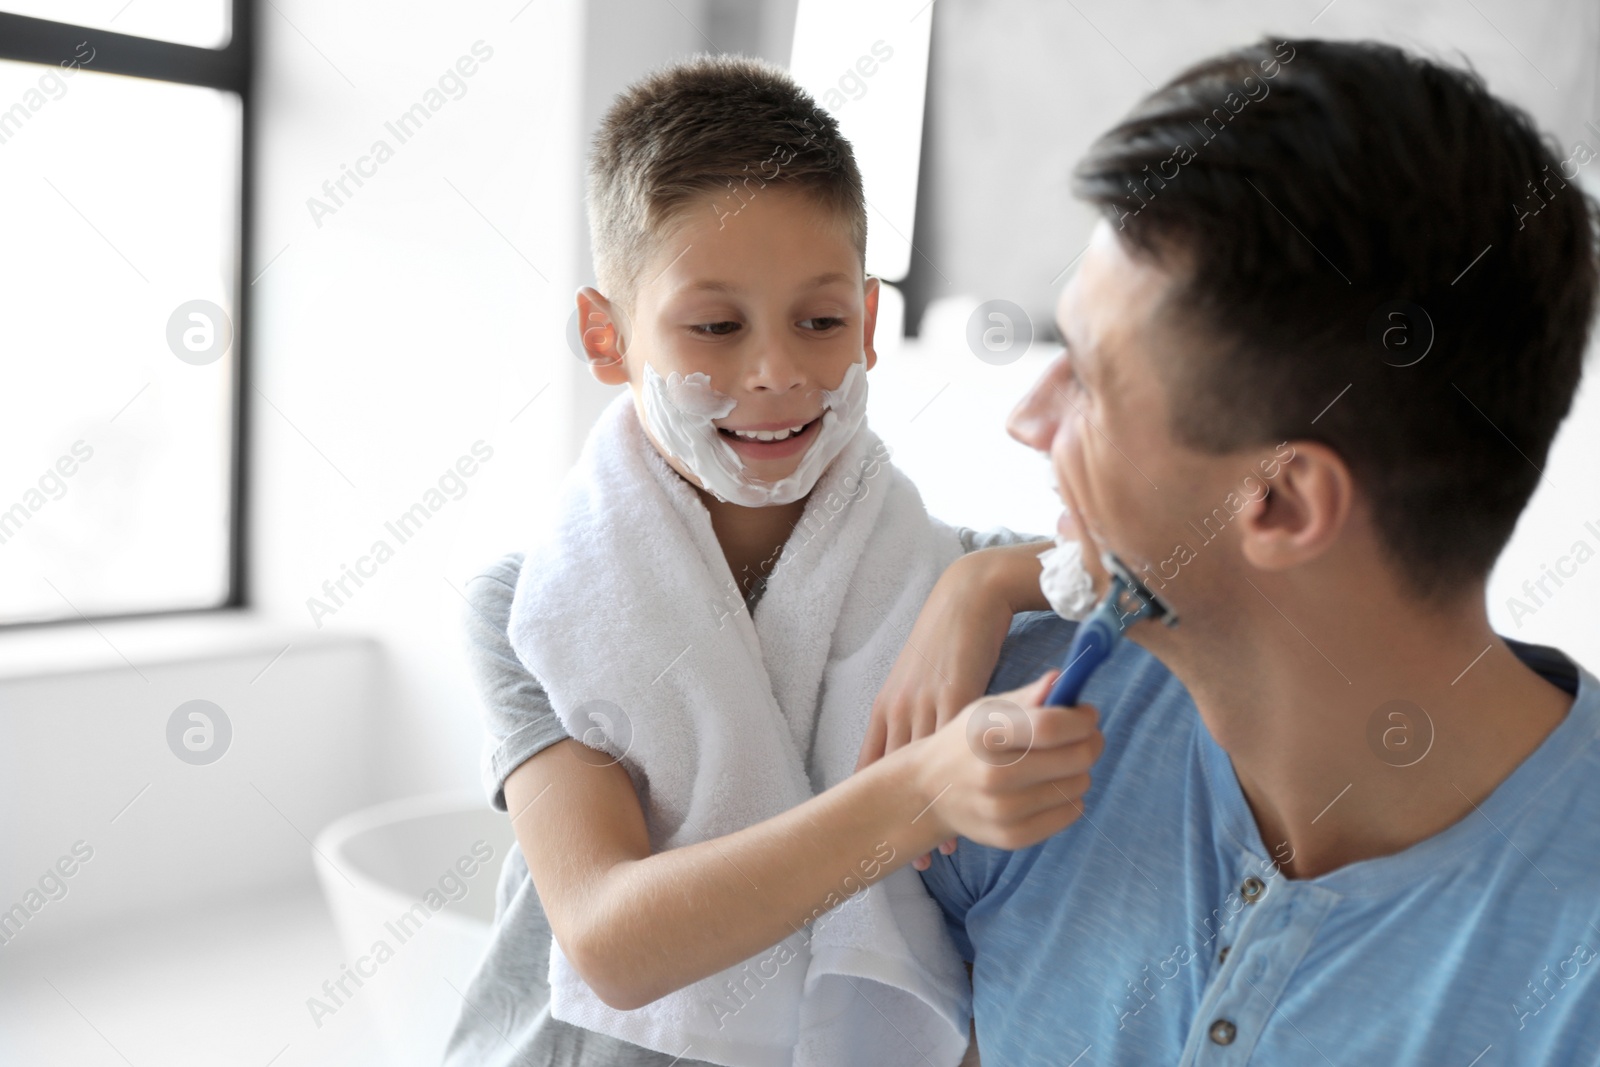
x=639, y=925
x=1012, y=573
x=953, y=647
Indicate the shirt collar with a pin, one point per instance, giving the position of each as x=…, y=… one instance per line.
x=1432, y=856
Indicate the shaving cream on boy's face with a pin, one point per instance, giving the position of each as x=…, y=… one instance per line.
x=681, y=408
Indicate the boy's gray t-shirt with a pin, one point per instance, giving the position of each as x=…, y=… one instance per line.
x=506, y=1018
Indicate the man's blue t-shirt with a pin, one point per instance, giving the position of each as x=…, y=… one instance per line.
x=1156, y=929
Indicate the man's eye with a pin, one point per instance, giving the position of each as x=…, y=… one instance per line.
x=715, y=329
x=1073, y=381
x=822, y=323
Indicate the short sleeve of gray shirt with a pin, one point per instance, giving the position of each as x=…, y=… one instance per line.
x=506, y=1019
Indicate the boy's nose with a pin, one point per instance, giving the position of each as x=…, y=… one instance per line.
x=774, y=370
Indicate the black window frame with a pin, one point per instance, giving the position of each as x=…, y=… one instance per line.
x=230, y=68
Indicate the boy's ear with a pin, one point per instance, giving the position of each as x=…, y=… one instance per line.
x=600, y=333
x=869, y=324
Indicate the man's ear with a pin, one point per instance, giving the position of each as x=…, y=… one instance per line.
x=600, y=331
x=1304, y=511
x=869, y=325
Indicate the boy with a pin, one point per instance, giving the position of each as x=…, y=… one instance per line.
x=710, y=812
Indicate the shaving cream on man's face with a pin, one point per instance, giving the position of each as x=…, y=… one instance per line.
x=1065, y=582
x=681, y=409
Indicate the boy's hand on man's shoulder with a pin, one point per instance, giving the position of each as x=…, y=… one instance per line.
x=945, y=665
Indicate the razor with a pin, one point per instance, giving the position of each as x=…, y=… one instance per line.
x=1126, y=602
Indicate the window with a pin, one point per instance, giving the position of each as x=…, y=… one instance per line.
x=124, y=175
x=868, y=66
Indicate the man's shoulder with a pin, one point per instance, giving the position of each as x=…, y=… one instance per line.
x=1035, y=642
x=1130, y=676
x=1145, y=713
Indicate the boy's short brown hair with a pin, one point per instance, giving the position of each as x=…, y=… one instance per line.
x=706, y=124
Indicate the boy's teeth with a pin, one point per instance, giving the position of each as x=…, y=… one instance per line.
x=767, y=435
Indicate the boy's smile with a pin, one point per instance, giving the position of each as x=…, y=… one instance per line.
x=771, y=441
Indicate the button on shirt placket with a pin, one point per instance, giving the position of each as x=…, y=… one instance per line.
x=1279, y=920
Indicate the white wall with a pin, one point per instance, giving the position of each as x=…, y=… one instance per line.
x=86, y=759
x=1008, y=133
x=423, y=316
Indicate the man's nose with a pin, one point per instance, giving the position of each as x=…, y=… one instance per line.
x=1037, y=415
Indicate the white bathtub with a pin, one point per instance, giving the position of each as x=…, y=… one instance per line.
x=377, y=866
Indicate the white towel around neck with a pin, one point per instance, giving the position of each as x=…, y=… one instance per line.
x=629, y=617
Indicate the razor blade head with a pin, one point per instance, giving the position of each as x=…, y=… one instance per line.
x=1138, y=601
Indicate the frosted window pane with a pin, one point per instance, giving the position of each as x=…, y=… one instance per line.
x=867, y=65
x=121, y=202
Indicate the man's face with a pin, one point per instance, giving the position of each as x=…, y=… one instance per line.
x=769, y=302
x=1102, y=413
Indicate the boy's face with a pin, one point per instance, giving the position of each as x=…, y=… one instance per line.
x=767, y=299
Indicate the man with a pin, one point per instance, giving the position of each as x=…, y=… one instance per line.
x=1315, y=356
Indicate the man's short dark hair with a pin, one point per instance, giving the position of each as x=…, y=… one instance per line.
x=1320, y=193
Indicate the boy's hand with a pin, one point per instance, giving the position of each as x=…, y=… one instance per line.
x=945, y=665
x=1008, y=771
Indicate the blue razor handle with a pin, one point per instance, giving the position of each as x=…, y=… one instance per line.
x=1098, y=635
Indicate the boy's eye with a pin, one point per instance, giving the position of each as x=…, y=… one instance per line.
x=715, y=329
x=821, y=323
